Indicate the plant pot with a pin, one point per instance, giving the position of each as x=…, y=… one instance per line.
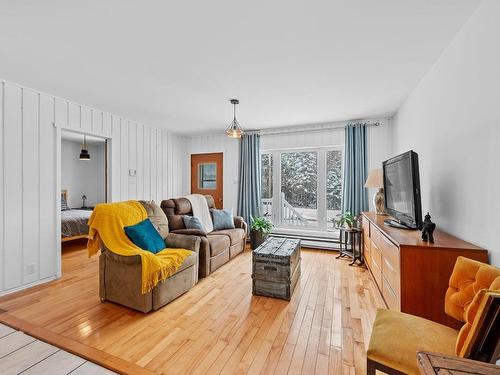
x=257, y=238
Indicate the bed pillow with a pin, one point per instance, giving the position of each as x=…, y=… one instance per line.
x=145, y=236
x=157, y=217
x=64, y=204
x=191, y=222
x=222, y=219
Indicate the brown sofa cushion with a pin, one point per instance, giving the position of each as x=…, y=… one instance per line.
x=218, y=243
x=235, y=235
x=157, y=217
x=175, y=208
x=182, y=206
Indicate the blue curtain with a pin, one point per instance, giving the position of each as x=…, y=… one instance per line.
x=354, y=195
x=249, y=177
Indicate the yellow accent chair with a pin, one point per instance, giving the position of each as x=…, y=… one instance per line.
x=397, y=337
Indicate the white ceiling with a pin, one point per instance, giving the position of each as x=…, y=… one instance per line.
x=176, y=63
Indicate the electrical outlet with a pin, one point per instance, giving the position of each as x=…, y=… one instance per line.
x=30, y=269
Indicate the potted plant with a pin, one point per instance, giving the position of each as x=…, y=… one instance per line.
x=346, y=220
x=259, y=231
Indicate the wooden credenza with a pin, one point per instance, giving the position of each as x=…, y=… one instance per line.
x=412, y=275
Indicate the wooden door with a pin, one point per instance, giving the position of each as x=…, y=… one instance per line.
x=206, y=176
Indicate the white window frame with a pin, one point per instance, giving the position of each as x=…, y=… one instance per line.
x=322, y=228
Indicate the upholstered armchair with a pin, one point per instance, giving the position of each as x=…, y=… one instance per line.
x=120, y=277
x=397, y=337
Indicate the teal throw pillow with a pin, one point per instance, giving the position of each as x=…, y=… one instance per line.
x=145, y=236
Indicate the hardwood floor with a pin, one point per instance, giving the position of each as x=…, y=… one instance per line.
x=218, y=327
x=23, y=354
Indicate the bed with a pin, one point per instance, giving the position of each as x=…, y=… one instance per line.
x=73, y=221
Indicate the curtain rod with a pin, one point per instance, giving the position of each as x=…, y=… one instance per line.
x=309, y=128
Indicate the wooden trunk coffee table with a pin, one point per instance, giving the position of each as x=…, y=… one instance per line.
x=276, y=268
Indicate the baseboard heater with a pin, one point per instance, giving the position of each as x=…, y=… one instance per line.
x=317, y=242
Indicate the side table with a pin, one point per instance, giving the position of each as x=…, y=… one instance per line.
x=351, y=244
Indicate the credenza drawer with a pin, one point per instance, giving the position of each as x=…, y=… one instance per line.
x=390, y=296
x=391, y=275
x=367, y=255
x=375, y=254
x=376, y=270
x=377, y=237
x=366, y=231
x=391, y=253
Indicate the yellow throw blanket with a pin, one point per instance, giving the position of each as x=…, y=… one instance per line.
x=107, y=225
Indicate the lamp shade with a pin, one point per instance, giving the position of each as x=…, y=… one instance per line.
x=84, y=154
x=375, y=179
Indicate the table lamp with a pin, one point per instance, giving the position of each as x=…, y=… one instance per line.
x=376, y=180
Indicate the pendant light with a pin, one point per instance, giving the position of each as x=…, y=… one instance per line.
x=84, y=153
x=234, y=130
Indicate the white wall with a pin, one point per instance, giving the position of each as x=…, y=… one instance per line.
x=29, y=200
x=379, y=149
x=83, y=177
x=452, y=120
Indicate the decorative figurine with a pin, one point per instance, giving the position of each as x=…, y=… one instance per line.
x=84, y=198
x=427, y=229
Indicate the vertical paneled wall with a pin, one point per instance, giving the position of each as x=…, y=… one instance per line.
x=29, y=243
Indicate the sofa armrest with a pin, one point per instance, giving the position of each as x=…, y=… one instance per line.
x=239, y=222
x=183, y=241
x=122, y=259
x=191, y=232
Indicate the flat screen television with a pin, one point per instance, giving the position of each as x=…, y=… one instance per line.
x=402, y=190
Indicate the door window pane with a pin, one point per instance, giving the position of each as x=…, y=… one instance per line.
x=299, y=188
x=267, y=184
x=333, y=185
x=207, y=176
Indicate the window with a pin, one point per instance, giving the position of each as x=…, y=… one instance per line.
x=333, y=185
x=207, y=176
x=299, y=188
x=267, y=184
x=302, y=189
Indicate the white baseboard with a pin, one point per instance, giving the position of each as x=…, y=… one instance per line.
x=26, y=286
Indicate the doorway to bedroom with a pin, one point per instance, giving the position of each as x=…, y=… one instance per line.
x=84, y=183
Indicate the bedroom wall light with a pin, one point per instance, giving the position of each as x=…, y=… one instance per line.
x=84, y=153
x=234, y=130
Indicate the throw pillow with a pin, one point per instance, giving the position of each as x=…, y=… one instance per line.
x=191, y=222
x=145, y=236
x=222, y=219
x=157, y=217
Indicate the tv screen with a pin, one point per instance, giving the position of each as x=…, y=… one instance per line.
x=402, y=189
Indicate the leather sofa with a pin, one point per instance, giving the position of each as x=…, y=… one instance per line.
x=217, y=247
x=120, y=277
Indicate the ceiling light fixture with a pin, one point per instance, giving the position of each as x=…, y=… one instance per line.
x=234, y=130
x=84, y=153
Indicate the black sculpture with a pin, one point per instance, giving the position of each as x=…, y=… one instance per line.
x=427, y=228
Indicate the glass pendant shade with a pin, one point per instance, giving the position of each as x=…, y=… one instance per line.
x=234, y=129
